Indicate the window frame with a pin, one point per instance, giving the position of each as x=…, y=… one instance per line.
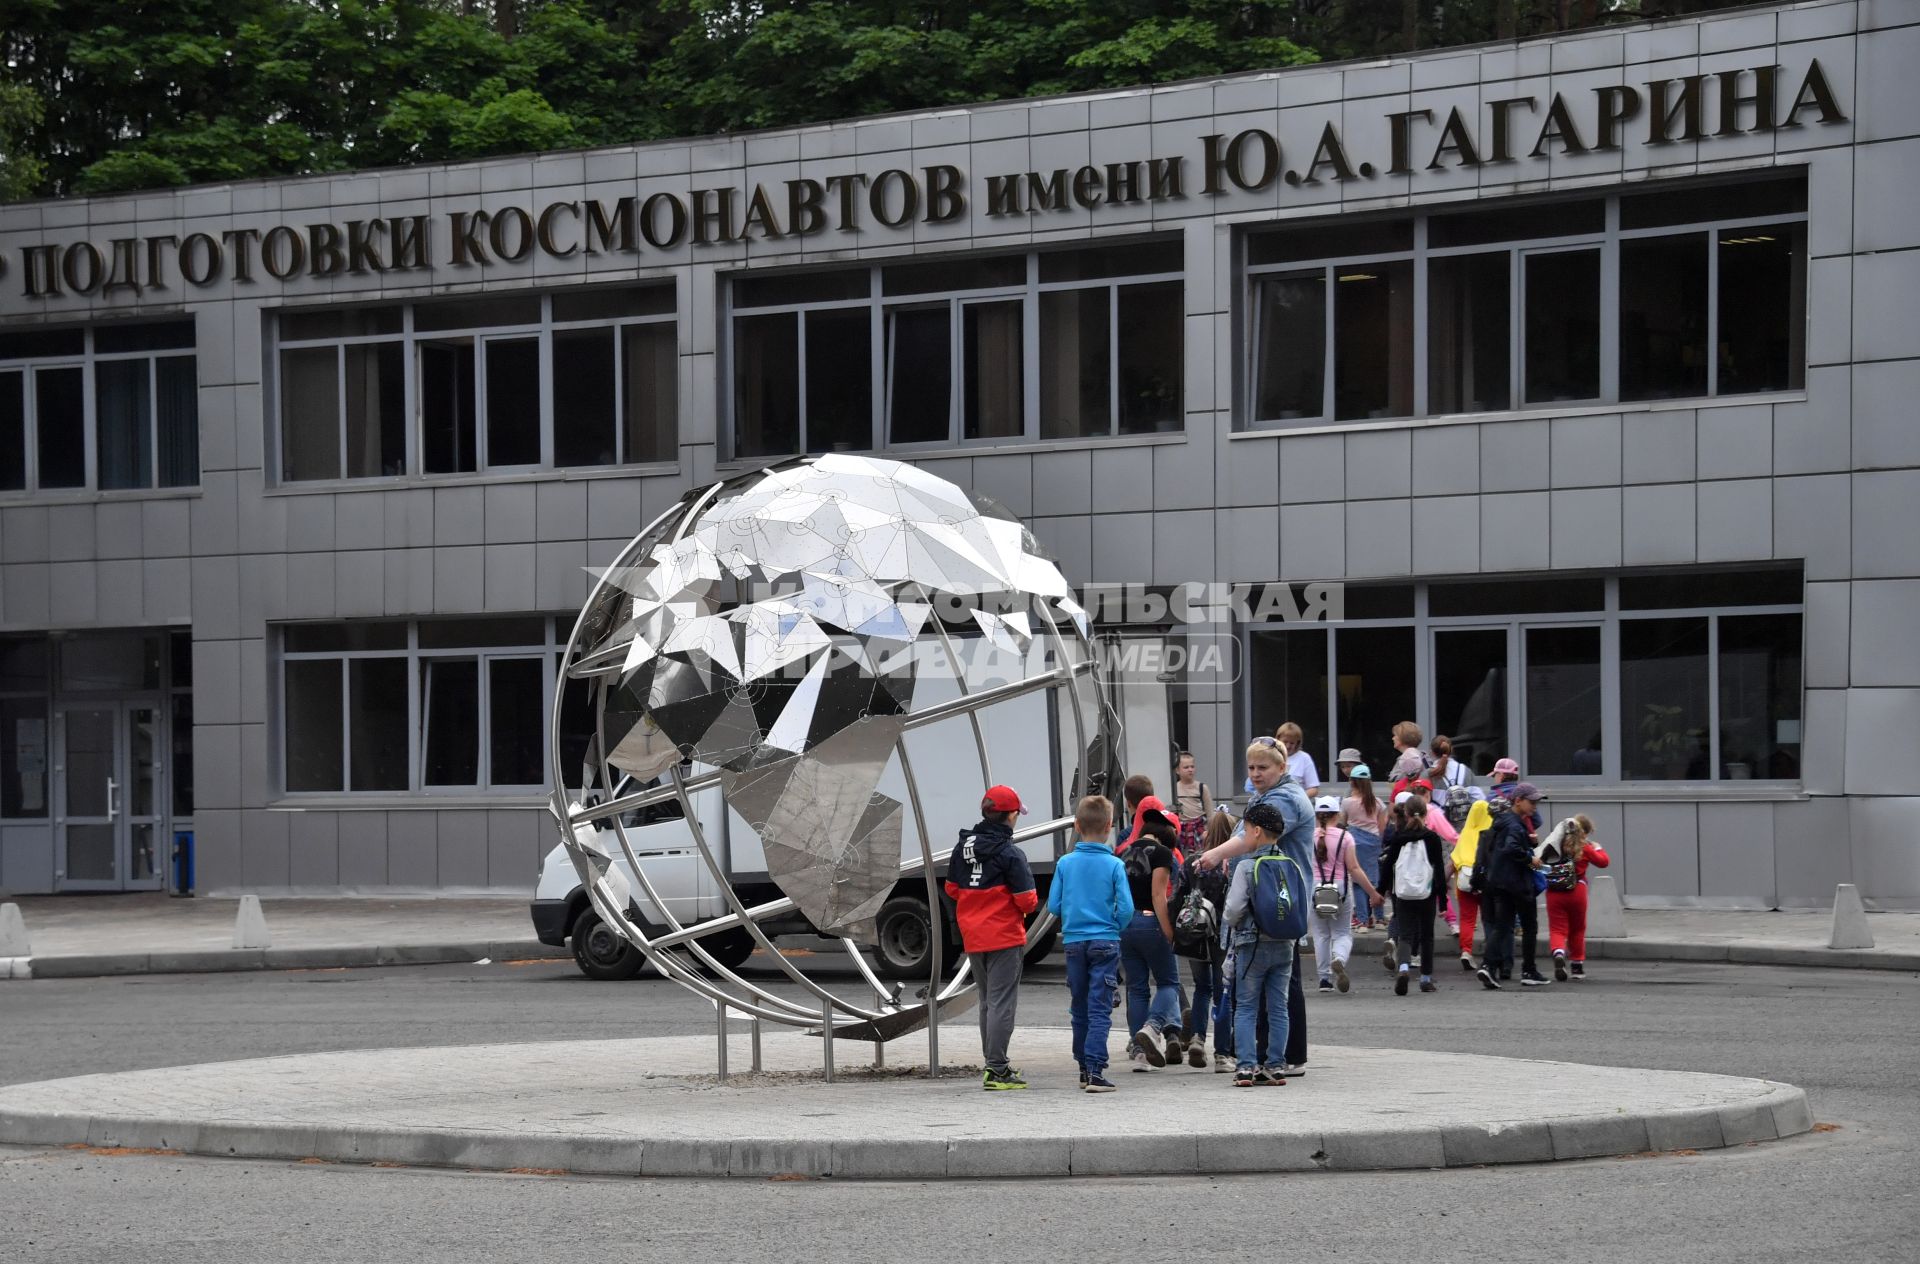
x=86, y=360
x=412, y=339
x=955, y=301
x=1608, y=619
x=1607, y=240
x=416, y=657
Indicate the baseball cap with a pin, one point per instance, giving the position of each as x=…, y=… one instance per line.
x=1527, y=790
x=1002, y=799
x=1266, y=817
x=1154, y=804
x=1360, y=772
x=1326, y=803
x=1405, y=796
x=1507, y=765
x=1348, y=755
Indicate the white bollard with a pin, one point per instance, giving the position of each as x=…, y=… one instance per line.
x=250, y=924
x=13, y=932
x=1606, y=915
x=1850, y=928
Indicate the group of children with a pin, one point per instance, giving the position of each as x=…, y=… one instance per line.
x=1238, y=906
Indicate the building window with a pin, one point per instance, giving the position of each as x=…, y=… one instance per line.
x=1677, y=676
x=1672, y=294
x=112, y=407
x=24, y=693
x=520, y=382
x=441, y=705
x=1059, y=345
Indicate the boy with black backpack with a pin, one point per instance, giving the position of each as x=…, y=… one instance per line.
x=1266, y=910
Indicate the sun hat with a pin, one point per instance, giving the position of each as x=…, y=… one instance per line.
x=1348, y=755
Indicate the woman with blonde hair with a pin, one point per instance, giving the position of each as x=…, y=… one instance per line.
x=1466, y=852
x=1567, y=896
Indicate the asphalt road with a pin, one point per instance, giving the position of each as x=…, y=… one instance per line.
x=1851, y=1193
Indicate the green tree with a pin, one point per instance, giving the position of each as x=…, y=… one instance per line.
x=104, y=95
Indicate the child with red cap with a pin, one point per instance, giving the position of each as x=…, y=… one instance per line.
x=991, y=885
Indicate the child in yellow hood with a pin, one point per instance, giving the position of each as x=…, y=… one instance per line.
x=1465, y=852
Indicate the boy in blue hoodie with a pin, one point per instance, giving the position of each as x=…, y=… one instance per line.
x=1089, y=895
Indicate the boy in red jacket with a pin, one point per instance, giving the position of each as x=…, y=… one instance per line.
x=991, y=885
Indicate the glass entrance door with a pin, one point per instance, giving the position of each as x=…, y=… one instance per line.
x=110, y=806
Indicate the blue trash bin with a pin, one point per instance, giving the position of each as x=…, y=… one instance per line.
x=182, y=863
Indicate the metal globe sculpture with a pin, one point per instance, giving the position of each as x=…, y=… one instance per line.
x=770, y=635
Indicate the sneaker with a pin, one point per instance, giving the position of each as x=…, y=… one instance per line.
x=1176, y=1045
x=1002, y=1081
x=1083, y=1077
x=1427, y=985
x=1147, y=1040
x=1197, y=1056
x=1391, y=956
x=1243, y=1078
x=1400, y=983
x=1098, y=1084
x=1487, y=980
x=1559, y=967
x=1273, y=1078
x=1222, y=1064
x=1326, y=985
x=1506, y=974
x=1579, y=969
x=1294, y=1070
x=1340, y=979
x=1466, y=962
x=1532, y=978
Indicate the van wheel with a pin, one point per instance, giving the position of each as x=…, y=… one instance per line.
x=1044, y=945
x=730, y=948
x=602, y=952
x=903, y=938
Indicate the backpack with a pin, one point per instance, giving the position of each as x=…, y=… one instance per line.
x=1139, y=863
x=1280, y=896
x=1412, y=872
x=1328, y=895
x=1561, y=876
x=1459, y=806
x=1197, y=924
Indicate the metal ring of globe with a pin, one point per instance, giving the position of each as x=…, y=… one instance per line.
x=891, y=542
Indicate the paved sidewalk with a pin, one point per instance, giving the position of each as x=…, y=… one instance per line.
x=74, y=936
x=652, y=1107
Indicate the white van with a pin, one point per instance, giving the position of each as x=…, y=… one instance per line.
x=1030, y=744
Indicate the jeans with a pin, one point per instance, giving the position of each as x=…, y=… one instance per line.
x=1333, y=936
x=1206, y=981
x=1091, y=964
x=1366, y=849
x=1266, y=969
x=1144, y=952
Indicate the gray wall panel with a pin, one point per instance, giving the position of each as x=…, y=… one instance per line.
x=1312, y=468
x=1737, y=861
x=1379, y=537
x=1379, y=464
x=265, y=850
x=1885, y=642
x=1514, y=531
x=362, y=849
x=1657, y=447
x=166, y=590
x=1736, y=442
x=23, y=533
x=314, y=849
x=1886, y=864
x=1446, y=460
x=1736, y=520
x=510, y=512
x=121, y=600
x=216, y=844
x=1810, y=521
x=1585, y=451
x=413, y=848
x=1812, y=849
x=1585, y=531
x=1827, y=635
x=26, y=860
x=1517, y=456
x=1661, y=842
x=459, y=515
x=1878, y=721
x=560, y=510
x=1446, y=534
x=462, y=848
x=516, y=840
x=1883, y=507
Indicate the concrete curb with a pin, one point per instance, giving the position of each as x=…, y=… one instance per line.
x=1781, y=1112
x=1752, y=954
x=224, y=960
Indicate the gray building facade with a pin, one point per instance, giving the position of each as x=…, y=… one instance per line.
x=1586, y=365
